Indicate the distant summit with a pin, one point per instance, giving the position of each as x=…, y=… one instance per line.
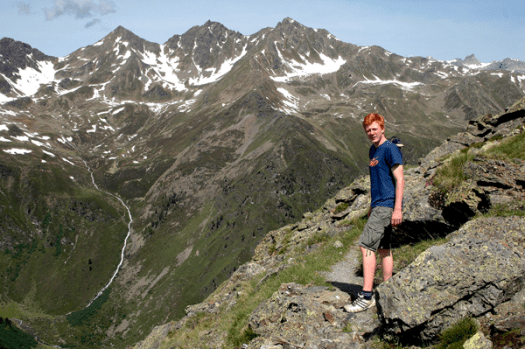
x=508, y=64
x=471, y=60
x=16, y=56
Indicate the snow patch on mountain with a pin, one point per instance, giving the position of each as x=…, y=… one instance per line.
x=477, y=66
x=225, y=68
x=17, y=151
x=409, y=86
x=186, y=106
x=290, y=102
x=31, y=79
x=63, y=92
x=164, y=67
x=40, y=144
x=21, y=138
x=69, y=162
x=48, y=153
x=298, y=69
x=441, y=74
x=118, y=110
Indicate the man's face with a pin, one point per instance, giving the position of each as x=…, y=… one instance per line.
x=374, y=132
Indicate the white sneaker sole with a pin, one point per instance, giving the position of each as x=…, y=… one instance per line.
x=360, y=306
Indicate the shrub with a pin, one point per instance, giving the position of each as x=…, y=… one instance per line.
x=455, y=336
x=341, y=207
x=237, y=338
x=317, y=238
x=77, y=318
x=512, y=147
x=451, y=174
x=516, y=208
x=510, y=339
x=11, y=337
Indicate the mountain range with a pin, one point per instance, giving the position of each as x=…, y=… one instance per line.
x=210, y=140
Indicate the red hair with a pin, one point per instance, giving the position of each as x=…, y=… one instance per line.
x=371, y=118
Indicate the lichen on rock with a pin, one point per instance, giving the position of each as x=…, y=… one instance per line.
x=481, y=266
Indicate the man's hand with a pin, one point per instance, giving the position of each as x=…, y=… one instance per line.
x=397, y=217
x=399, y=178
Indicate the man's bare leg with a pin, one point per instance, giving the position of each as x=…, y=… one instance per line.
x=369, y=269
x=365, y=299
x=387, y=263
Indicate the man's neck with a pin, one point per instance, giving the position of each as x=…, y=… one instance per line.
x=381, y=141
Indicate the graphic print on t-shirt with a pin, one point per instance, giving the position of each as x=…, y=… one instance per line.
x=373, y=162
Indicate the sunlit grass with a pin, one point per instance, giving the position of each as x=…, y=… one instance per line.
x=510, y=148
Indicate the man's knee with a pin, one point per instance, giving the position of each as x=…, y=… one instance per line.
x=367, y=252
x=384, y=253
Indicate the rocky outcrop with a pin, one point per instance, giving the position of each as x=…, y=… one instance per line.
x=481, y=266
x=296, y=315
x=17, y=55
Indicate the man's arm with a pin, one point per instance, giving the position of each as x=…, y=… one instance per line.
x=399, y=179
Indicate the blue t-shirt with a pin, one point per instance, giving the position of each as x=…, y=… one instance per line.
x=382, y=182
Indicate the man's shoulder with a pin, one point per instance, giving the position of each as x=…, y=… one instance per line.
x=391, y=146
x=388, y=146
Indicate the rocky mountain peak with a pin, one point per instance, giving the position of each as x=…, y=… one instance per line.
x=121, y=34
x=471, y=59
x=210, y=33
x=509, y=64
x=289, y=22
x=207, y=43
x=16, y=55
x=290, y=27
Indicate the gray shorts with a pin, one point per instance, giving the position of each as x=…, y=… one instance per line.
x=378, y=229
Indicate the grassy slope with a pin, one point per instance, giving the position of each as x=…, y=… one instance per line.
x=223, y=233
x=61, y=238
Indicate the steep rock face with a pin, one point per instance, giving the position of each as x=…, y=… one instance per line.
x=481, y=266
x=18, y=55
x=471, y=59
x=19, y=65
x=210, y=45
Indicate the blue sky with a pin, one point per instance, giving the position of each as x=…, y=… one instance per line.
x=447, y=29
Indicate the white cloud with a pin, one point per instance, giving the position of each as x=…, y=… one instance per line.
x=92, y=23
x=23, y=8
x=79, y=8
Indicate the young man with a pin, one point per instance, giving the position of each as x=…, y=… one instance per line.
x=386, y=187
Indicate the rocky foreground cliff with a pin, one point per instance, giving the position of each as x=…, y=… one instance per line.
x=465, y=200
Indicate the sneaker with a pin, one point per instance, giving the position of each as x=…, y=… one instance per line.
x=360, y=304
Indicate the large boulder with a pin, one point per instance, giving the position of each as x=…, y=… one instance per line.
x=481, y=266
